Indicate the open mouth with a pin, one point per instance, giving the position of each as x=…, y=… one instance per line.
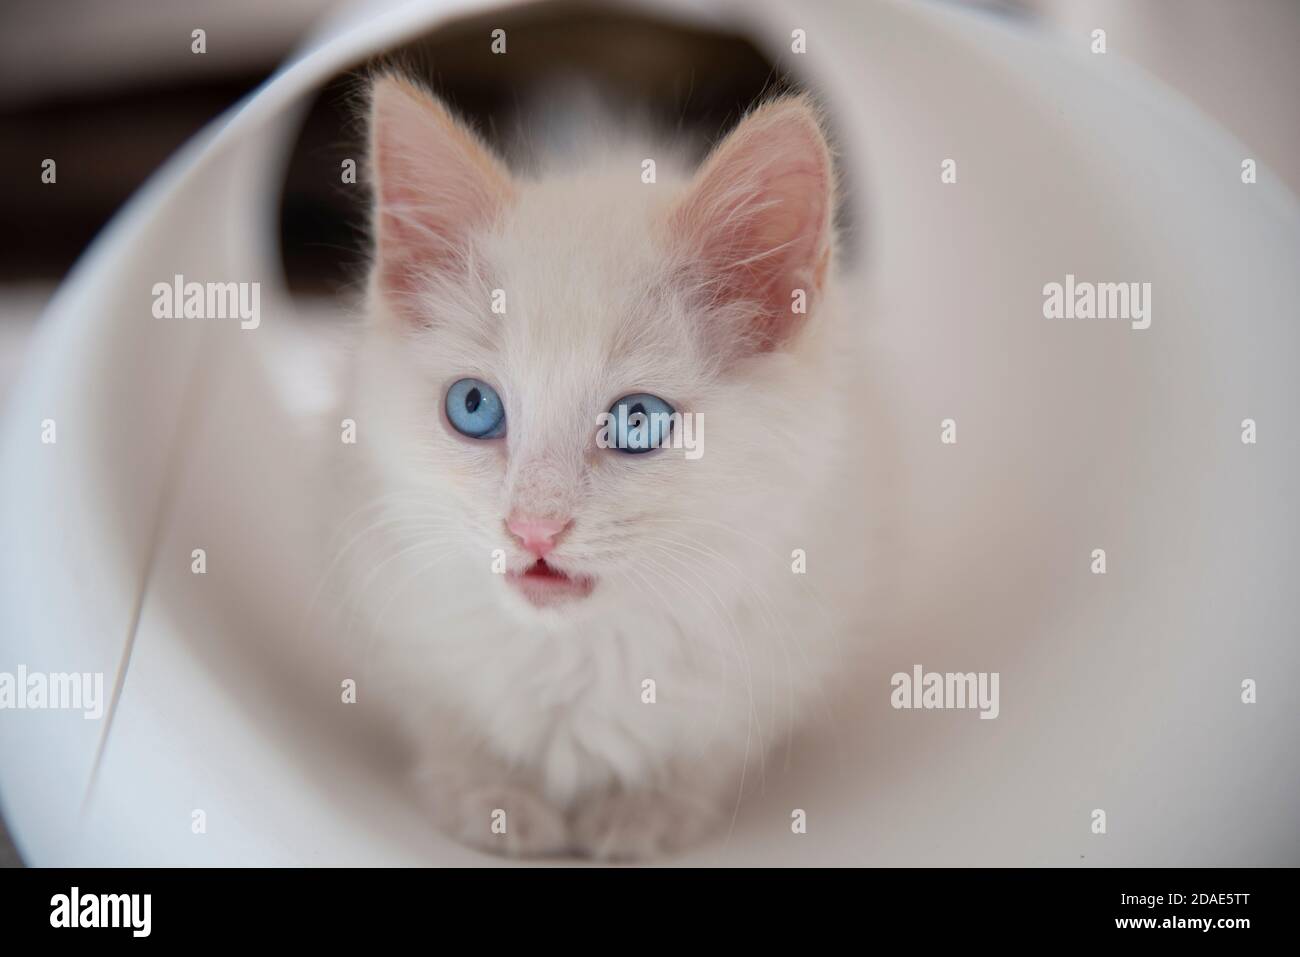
x=544, y=585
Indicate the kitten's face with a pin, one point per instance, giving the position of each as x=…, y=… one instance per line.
x=512, y=315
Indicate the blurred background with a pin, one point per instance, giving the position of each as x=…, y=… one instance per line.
x=110, y=89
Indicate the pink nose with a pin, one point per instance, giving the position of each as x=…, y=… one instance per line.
x=536, y=534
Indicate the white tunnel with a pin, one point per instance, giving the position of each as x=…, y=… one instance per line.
x=1120, y=692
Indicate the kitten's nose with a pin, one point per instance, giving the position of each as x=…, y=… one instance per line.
x=536, y=534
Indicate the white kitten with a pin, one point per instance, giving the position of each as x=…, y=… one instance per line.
x=611, y=698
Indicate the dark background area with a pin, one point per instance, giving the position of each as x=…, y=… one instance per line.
x=107, y=139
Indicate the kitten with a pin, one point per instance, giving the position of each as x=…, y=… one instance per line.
x=592, y=648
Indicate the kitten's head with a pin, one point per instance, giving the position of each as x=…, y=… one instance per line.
x=509, y=314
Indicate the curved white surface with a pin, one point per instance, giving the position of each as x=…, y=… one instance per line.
x=1119, y=692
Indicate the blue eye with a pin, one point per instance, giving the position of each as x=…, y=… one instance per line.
x=475, y=409
x=641, y=423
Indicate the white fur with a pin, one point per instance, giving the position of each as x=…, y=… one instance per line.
x=539, y=712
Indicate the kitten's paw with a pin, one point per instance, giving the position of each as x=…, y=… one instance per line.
x=501, y=819
x=636, y=825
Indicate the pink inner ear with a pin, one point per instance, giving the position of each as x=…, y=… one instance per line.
x=757, y=219
x=435, y=186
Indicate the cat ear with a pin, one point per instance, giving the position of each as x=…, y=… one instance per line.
x=435, y=184
x=757, y=220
